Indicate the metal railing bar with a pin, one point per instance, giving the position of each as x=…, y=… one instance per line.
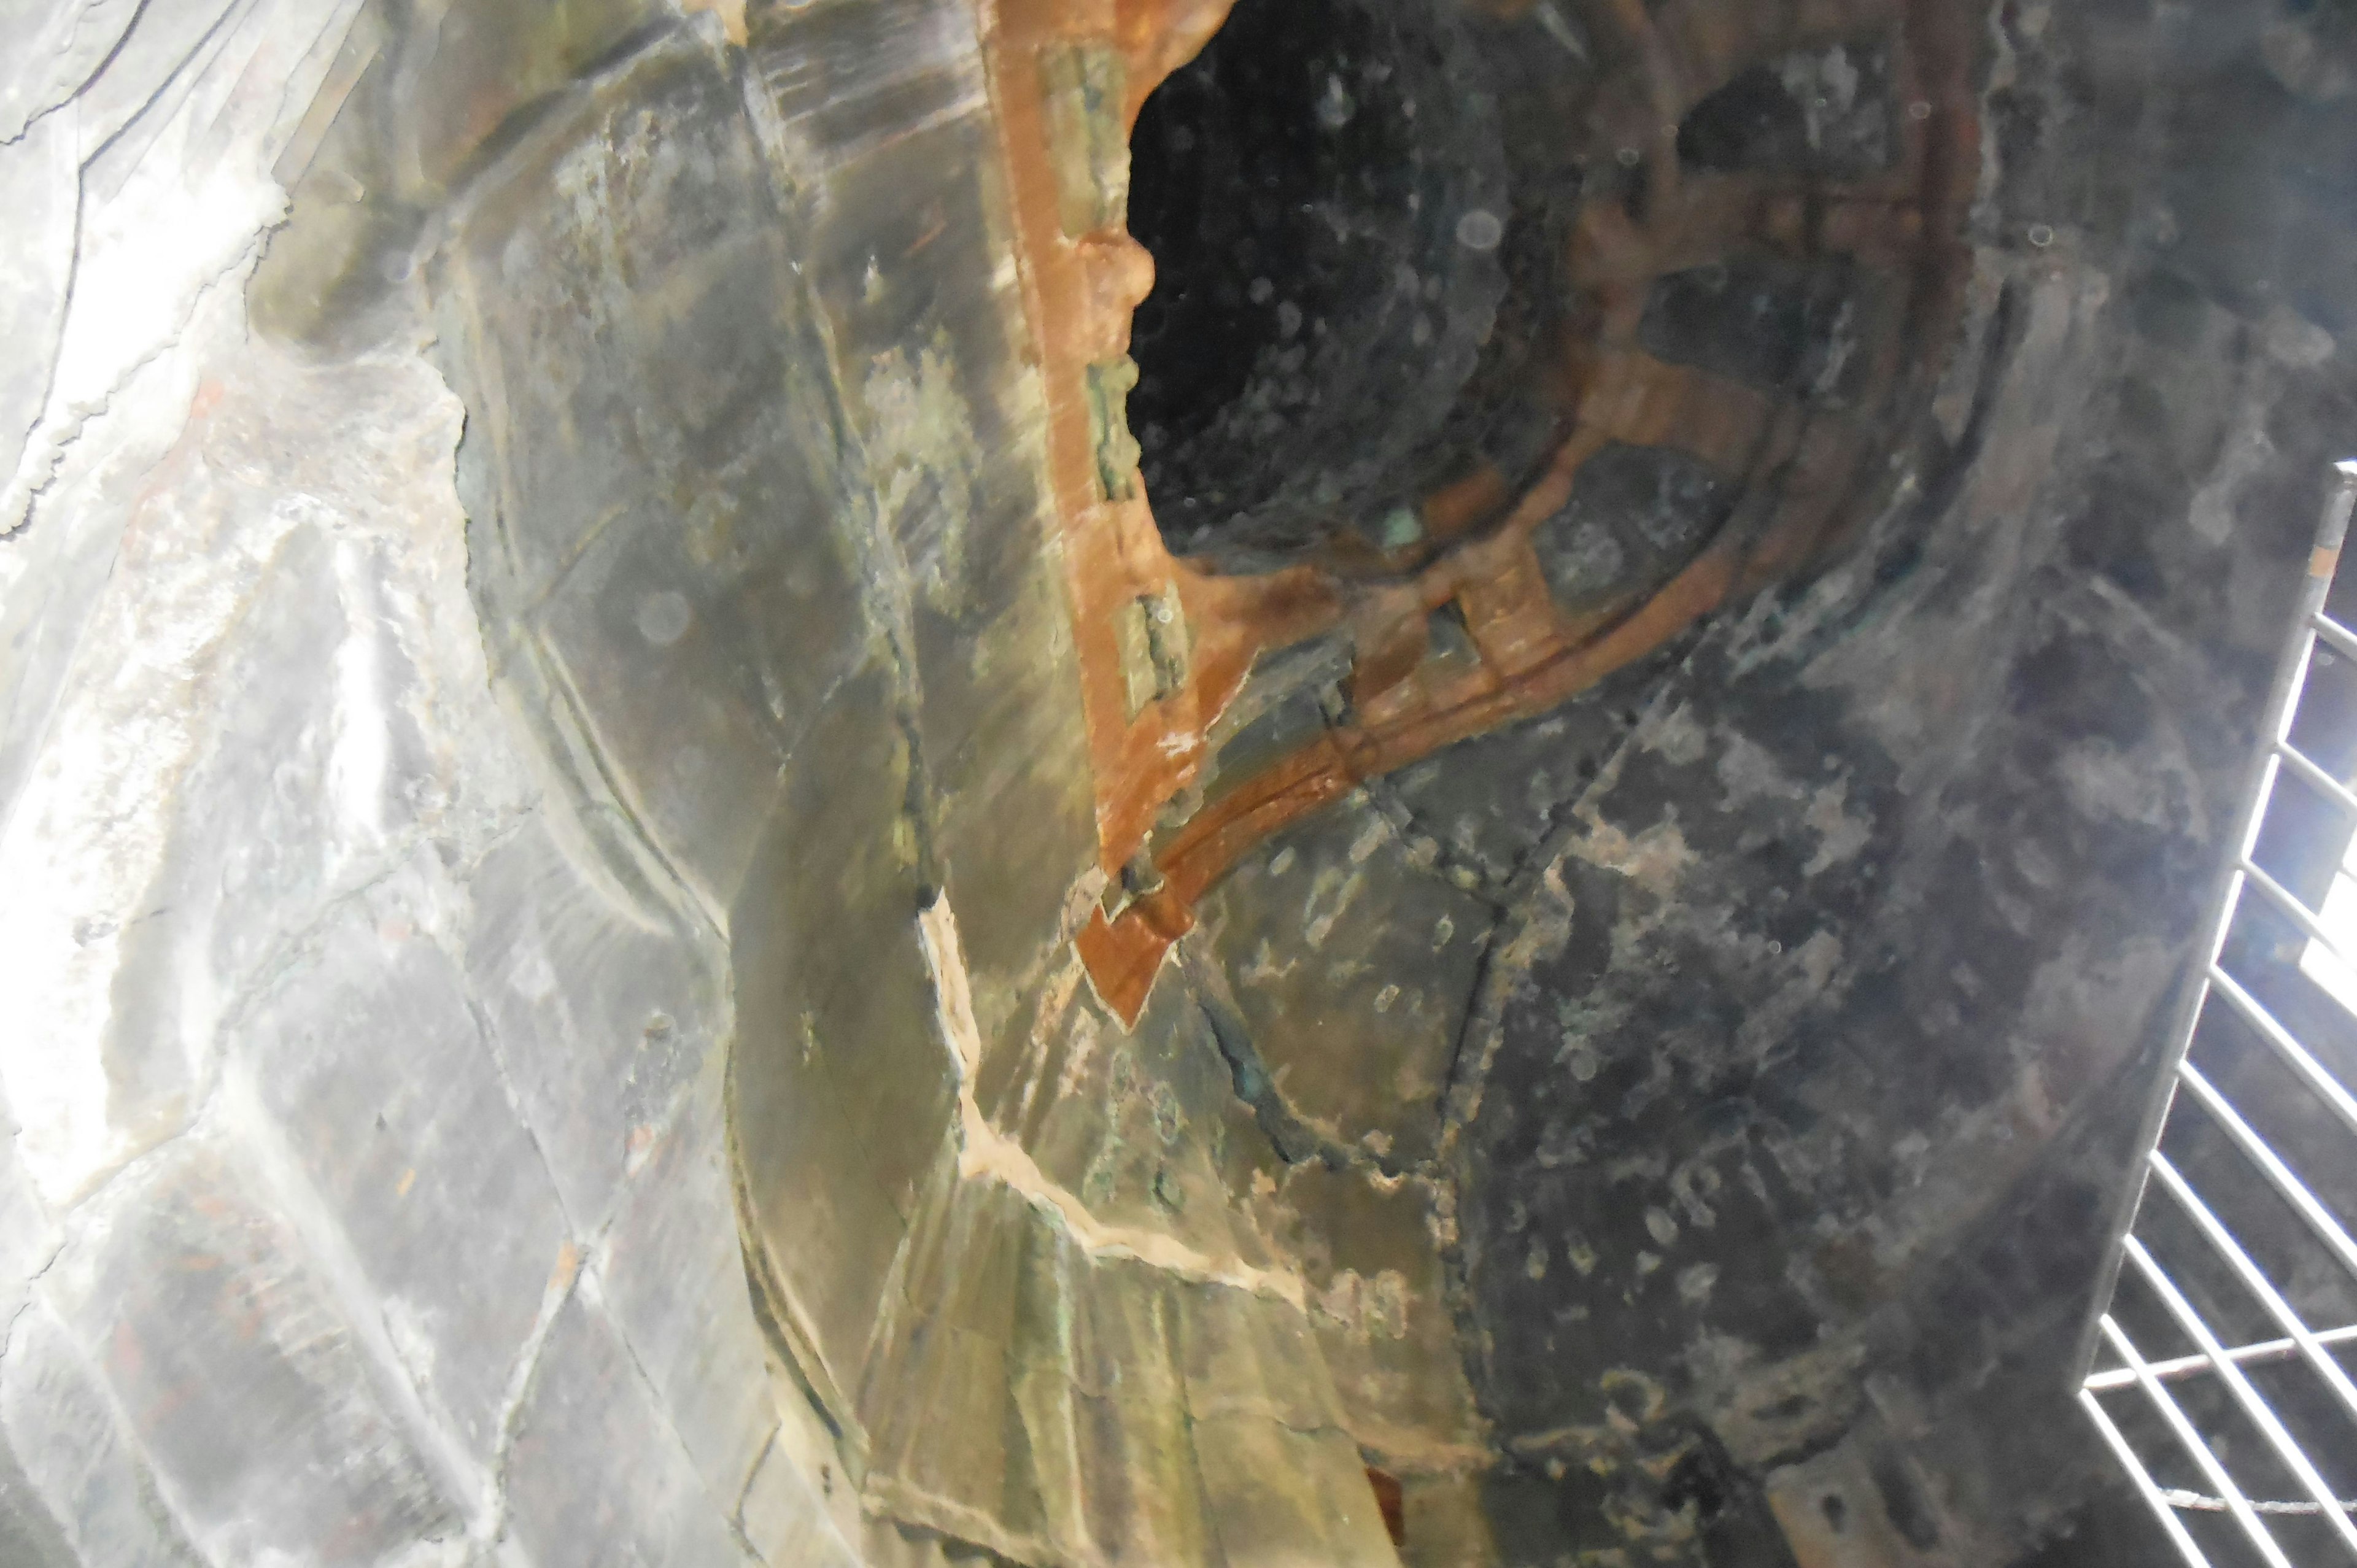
x=2196, y=1502
x=2319, y=1079
x=2308, y=773
x=2127, y=1454
x=2191, y=1439
x=2293, y=1190
x=2262, y=1415
x=2301, y=915
x=2255, y=1281
x=2181, y=1368
x=2343, y=640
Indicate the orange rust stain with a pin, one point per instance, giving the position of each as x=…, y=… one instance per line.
x=1477, y=548
x=1080, y=291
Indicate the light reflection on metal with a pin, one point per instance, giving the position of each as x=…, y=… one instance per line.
x=2242, y=1449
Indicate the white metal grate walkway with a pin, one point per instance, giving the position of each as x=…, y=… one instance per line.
x=2230, y=1409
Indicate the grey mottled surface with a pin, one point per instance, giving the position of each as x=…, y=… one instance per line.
x=532, y=782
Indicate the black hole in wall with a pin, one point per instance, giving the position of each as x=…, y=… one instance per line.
x=1325, y=197
x=1730, y=1511
x=1697, y=1479
x=1230, y=163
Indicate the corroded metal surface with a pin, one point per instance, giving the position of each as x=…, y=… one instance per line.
x=1069, y=81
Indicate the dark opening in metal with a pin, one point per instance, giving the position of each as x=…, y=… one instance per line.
x=1326, y=198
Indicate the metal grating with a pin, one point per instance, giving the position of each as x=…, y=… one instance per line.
x=2216, y=1371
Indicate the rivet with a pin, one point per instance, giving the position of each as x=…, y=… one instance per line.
x=1479, y=230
